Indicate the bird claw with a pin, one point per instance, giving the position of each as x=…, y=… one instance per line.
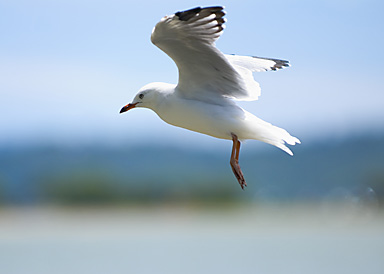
x=238, y=173
x=235, y=161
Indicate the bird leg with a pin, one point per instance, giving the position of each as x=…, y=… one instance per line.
x=235, y=161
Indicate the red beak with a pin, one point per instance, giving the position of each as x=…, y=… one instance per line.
x=127, y=107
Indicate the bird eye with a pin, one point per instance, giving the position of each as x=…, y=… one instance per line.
x=141, y=96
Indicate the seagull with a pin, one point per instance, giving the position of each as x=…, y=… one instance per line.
x=209, y=84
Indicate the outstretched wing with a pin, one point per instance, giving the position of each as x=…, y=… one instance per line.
x=256, y=64
x=188, y=37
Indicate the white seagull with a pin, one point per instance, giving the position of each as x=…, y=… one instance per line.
x=209, y=82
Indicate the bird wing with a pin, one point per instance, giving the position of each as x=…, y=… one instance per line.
x=256, y=64
x=205, y=73
x=189, y=37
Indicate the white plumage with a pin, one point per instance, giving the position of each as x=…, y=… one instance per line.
x=209, y=82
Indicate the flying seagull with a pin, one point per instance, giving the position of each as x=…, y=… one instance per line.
x=209, y=82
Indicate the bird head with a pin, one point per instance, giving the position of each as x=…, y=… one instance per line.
x=148, y=96
x=137, y=102
x=142, y=99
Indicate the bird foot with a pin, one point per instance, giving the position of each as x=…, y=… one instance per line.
x=238, y=173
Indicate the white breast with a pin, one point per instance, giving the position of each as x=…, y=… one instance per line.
x=214, y=120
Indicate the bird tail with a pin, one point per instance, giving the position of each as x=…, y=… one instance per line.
x=273, y=135
x=281, y=138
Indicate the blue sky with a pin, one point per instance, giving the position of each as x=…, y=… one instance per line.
x=67, y=67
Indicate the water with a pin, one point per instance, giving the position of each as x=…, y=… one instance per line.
x=167, y=239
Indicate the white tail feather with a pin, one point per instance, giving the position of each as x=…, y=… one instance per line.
x=271, y=134
x=279, y=137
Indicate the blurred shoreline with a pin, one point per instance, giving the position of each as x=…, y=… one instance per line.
x=306, y=214
x=349, y=171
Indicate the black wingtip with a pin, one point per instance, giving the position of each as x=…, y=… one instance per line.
x=188, y=14
x=279, y=64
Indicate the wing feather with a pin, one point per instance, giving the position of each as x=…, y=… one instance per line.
x=257, y=64
x=205, y=73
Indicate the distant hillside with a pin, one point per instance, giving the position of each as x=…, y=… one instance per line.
x=353, y=169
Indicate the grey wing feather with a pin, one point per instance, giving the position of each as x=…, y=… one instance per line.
x=188, y=37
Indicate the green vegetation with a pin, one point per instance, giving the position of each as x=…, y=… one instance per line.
x=97, y=187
